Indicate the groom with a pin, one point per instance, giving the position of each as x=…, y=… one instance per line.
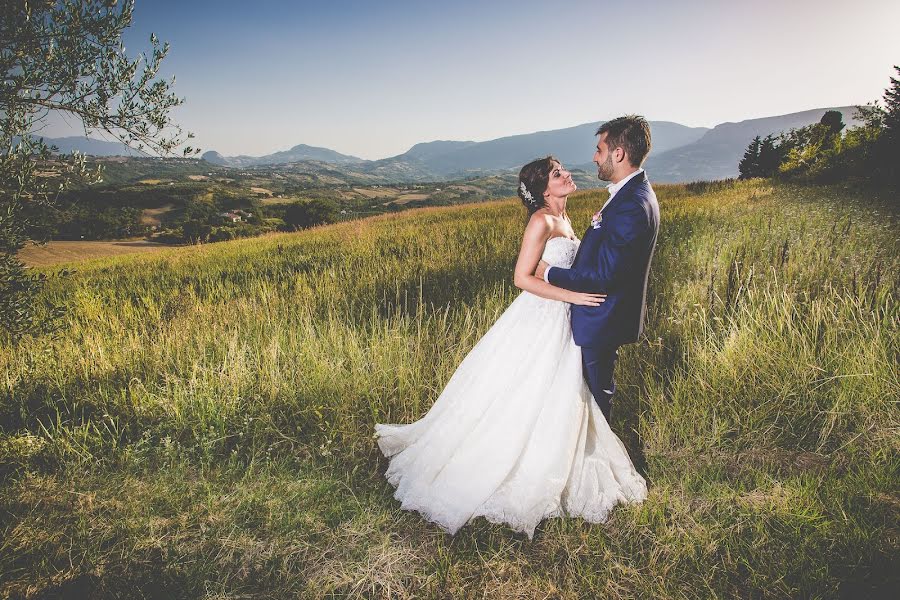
x=614, y=257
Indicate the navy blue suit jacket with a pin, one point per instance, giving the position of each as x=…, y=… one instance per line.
x=614, y=259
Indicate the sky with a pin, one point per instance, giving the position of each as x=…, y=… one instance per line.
x=371, y=79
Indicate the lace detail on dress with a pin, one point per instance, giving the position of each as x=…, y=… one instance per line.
x=560, y=251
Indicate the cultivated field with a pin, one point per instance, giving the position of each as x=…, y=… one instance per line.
x=151, y=216
x=201, y=425
x=65, y=251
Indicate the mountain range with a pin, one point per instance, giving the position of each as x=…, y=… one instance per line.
x=679, y=154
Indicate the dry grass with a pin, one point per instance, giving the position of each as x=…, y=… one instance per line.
x=63, y=251
x=407, y=198
x=271, y=200
x=151, y=216
x=374, y=192
x=201, y=426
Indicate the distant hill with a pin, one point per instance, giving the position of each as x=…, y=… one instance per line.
x=298, y=153
x=717, y=153
x=427, y=151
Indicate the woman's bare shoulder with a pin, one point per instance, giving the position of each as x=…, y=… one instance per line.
x=540, y=225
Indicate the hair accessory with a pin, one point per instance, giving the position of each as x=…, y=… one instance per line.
x=526, y=194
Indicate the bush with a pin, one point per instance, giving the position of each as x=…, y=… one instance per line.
x=309, y=213
x=196, y=231
x=222, y=234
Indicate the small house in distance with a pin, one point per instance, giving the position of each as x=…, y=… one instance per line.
x=236, y=216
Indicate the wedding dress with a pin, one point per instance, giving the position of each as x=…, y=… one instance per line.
x=515, y=436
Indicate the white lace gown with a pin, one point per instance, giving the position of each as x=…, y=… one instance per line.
x=516, y=436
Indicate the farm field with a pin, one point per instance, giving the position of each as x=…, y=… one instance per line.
x=64, y=251
x=201, y=424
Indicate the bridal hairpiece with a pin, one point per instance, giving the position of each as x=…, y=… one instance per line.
x=526, y=195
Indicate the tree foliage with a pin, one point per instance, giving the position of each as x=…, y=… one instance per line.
x=771, y=153
x=825, y=152
x=196, y=231
x=309, y=213
x=66, y=56
x=812, y=150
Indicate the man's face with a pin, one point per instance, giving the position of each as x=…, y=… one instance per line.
x=603, y=159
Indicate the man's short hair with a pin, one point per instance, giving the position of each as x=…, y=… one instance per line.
x=630, y=133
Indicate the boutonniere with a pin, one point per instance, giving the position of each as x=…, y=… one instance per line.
x=596, y=220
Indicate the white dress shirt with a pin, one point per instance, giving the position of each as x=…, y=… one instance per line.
x=613, y=188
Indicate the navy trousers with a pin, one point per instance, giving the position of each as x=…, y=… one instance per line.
x=598, y=365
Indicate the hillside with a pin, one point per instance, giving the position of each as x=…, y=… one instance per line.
x=298, y=153
x=202, y=423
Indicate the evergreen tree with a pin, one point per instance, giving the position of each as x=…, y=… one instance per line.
x=770, y=156
x=889, y=141
x=749, y=165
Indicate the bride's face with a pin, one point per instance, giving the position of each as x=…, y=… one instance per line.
x=560, y=182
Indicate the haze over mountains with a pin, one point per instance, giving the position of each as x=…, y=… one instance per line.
x=679, y=153
x=94, y=147
x=572, y=145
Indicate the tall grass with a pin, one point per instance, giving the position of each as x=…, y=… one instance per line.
x=201, y=425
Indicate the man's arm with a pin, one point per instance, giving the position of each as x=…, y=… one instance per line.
x=537, y=232
x=614, y=255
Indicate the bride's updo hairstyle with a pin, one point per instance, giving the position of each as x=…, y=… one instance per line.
x=533, y=180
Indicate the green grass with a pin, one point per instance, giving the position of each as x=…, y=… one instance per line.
x=202, y=424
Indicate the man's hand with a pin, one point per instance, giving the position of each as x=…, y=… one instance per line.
x=539, y=272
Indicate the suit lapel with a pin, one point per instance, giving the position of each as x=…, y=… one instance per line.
x=625, y=191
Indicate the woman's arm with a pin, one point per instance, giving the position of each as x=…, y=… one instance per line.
x=537, y=232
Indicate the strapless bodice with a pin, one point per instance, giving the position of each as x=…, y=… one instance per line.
x=560, y=251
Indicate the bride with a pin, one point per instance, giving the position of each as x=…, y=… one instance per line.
x=515, y=436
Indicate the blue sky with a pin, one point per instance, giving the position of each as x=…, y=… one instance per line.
x=373, y=78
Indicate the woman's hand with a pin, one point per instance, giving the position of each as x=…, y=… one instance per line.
x=582, y=299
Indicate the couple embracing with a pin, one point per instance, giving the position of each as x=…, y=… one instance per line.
x=520, y=433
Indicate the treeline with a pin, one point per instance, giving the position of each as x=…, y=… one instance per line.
x=195, y=213
x=825, y=152
x=255, y=220
x=111, y=212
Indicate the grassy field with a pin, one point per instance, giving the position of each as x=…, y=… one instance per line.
x=201, y=426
